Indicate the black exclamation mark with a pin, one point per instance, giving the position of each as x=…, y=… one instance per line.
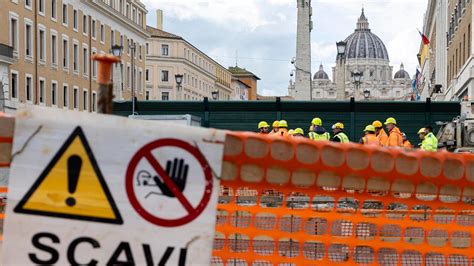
x=74, y=164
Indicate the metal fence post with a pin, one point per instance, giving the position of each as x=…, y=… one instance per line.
x=206, y=123
x=278, y=108
x=353, y=118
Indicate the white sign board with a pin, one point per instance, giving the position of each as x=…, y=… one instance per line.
x=92, y=189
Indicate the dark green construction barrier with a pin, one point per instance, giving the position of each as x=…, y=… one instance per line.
x=245, y=115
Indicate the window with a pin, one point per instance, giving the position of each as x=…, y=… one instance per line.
x=139, y=18
x=65, y=95
x=74, y=21
x=112, y=38
x=75, y=57
x=54, y=93
x=94, y=65
x=42, y=45
x=28, y=4
x=94, y=102
x=53, y=10
x=140, y=52
x=128, y=77
x=165, y=96
x=41, y=7
x=147, y=48
x=28, y=41
x=14, y=85
x=85, y=100
x=93, y=29
x=65, y=14
x=147, y=74
x=147, y=95
x=41, y=90
x=102, y=33
x=134, y=14
x=65, y=53
x=75, y=98
x=14, y=32
x=164, y=75
x=140, y=80
x=29, y=92
x=84, y=24
x=85, y=61
x=164, y=50
x=127, y=10
x=121, y=76
x=54, y=49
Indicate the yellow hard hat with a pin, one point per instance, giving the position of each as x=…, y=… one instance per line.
x=263, y=124
x=391, y=120
x=299, y=131
x=317, y=121
x=370, y=128
x=276, y=124
x=282, y=123
x=422, y=130
x=338, y=125
x=377, y=124
x=291, y=132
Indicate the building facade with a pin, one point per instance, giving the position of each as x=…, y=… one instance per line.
x=434, y=66
x=54, y=40
x=460, y=78
x=248, y=78
x=169, y=55
x=365, y=54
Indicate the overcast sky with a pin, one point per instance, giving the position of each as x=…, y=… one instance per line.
x=264, y=32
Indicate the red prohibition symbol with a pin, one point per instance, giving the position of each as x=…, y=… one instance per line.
x=145, y=153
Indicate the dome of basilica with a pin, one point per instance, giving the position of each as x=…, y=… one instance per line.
x=363, y=44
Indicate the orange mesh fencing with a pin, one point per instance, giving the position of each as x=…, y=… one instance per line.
x=292, y=201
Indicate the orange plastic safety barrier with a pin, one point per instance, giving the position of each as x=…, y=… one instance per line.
x=291, y=201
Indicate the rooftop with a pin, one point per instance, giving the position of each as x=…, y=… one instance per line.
x=154, y=32
x=242, y=72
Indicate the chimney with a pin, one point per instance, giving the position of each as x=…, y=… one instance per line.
x=159, y=19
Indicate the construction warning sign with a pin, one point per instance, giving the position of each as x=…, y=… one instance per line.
x=88, y=189
x=73, y=186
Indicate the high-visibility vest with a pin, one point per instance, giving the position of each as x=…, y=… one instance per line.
x=342, y=136
x=407, y=144
x=430, y=143
x=382, y=136
x=370, y=139
x=319, y=137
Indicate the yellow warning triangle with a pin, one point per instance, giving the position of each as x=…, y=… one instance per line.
x=72, y=186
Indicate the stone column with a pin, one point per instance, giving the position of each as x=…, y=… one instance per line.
x=341, y=79
x=303, y=51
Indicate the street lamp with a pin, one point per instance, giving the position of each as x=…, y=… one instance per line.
x=117, y=50
x=357, y=78
x=179, y=81
x=366, y=94
x=341, y=73
x=215, y=95
x=133, y=48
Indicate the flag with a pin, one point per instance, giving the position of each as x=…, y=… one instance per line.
x=425, y=39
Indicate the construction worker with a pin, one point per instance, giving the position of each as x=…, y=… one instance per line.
x=274, y=127
x=339, y=135
x=406, y=143
x=429, y=141
x=380, y=132
x=263, y=128
x=291, y=132
x=395, y=138
x=283, y=128
x=318, y=132
x=370, y=138
x=299, y=132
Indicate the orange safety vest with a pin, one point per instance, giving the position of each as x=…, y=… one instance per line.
x=283, y=132
x=382, y=136
x=395, y=138
x=370, y=139
x=407, y=144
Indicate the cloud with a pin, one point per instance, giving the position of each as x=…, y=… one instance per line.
x=264, y=31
